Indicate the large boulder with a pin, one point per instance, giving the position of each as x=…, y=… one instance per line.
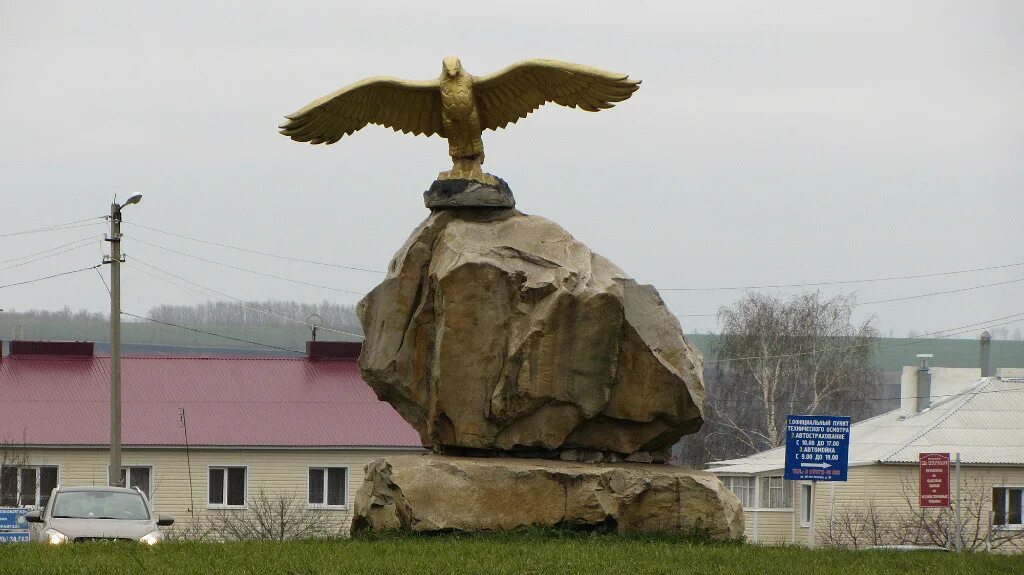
x=429, y=493
x=498, y=331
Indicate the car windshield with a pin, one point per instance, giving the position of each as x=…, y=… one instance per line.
x=100, y=505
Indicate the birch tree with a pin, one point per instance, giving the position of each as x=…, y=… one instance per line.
x=776, y=357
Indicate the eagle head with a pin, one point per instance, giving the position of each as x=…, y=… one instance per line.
x=451, y=67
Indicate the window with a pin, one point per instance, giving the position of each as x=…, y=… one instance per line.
x=328, y=486
x=743, y=487
x=138, y=476
x=227, y=486
x=1008, y=507
x=27, y=486
x=775, y=493
x=805, y=505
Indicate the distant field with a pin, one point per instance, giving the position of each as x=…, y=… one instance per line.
x=486, y=554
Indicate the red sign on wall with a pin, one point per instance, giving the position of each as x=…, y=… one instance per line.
x=934, y=479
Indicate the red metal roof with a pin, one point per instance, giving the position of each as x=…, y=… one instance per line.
x=51, y=400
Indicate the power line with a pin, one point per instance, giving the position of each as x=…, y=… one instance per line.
x=49, y=255
x=102, y=279
x=942, y=292
x=887, y=300
x=185, y=327
x=948, y=332
x=241, y=303
x=854, y=281
x=234, y=267
x=50, y=276
x=65, y=226
x=79, y=240
x=898, y=398
x=258, y=252
x=346, y=401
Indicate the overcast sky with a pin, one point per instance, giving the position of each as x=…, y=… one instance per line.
x=770, y=143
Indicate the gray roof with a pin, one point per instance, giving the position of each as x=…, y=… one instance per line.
x=984, y=423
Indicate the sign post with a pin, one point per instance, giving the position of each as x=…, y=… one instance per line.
x=934, y=480
x=817, y=449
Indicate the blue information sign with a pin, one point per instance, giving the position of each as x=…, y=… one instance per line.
x=15, y=536
x=13, y=519
x=817, y=447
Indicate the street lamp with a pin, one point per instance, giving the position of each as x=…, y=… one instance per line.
x=114, y=474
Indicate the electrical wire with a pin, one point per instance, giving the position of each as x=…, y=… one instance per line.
x=239, y=268
x=854, y=281
x=50, y=255
x=887, y=300
x=947, y=332
x=50, y=276
x=102, y=279
x=346, y=401
x=65, y=226
x=90, y=237
x=941, y=292
x=898, y=398
x=240, y=302
x=192, y=329
x=258, y=252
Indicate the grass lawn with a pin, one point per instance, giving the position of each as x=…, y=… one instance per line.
x=482, y=554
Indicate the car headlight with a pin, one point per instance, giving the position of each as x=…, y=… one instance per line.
x=152, y=538
x=55, y=537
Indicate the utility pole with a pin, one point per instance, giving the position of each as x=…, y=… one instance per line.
x=959, y=525
x=114, y=472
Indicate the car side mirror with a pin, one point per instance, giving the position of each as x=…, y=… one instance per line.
x=164, y=521
x=34, y=516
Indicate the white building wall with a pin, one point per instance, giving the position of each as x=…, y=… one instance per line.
x=274, y=471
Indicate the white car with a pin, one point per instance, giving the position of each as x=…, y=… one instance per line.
x=75, y=514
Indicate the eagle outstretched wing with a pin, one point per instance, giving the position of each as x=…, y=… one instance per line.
x=512, y=93
x=398, y=104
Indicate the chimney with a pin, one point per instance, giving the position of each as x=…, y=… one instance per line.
x=924, y=384
x=333, y=350
x=986, y=354
x=71, y=349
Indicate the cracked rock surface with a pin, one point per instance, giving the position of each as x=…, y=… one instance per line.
x=433, y=492
x=496, y=330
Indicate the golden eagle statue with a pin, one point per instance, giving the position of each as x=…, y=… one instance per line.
x=458, y=105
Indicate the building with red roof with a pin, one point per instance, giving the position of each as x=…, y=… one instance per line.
x=200, y=434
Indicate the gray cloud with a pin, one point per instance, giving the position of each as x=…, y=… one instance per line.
x=769, y=143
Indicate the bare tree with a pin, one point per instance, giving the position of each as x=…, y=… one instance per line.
x=905, y=523
x=274, y=517
x=12, y=456
x=776, y=357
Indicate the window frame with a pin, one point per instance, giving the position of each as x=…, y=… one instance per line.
x=37, y=504
x=125, y=467
x=751, y=488
x=1006, y=498
x=785, y=484
x=245, y=487
x=344, y=483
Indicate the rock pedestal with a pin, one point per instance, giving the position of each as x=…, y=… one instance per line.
x=498, y=331
x=429, y=493
x=499, y=335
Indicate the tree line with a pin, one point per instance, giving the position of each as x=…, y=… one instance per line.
x=278, y=317
x=269, y=313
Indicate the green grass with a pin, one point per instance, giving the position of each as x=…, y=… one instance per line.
x=515, y=553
